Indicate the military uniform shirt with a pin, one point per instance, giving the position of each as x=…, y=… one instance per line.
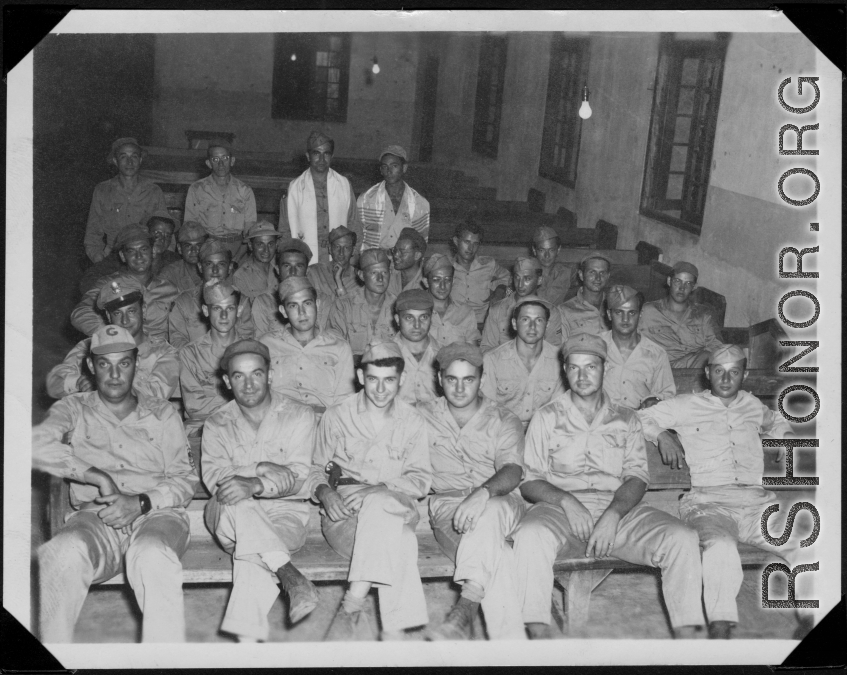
x=267, y=317
x=144, y=453
x=182, y=275
x=464, y=458
x=156, y=371
x=509, y=384
x=567, y=452
x=395, y=282
x=252, y=280
x=473, y=287
x=320, y=274
x=187, y=323
x=350, y=317
x=396, y=456
x=555, y=283
x=420, y=375
x=203, y=388
x=231, y=447
x=722, y=443
x=457, y=325
x=498, y=324
x=580, y=316
x=645, y=373
x=682, y=339
x=318, y=374
x=221, y=213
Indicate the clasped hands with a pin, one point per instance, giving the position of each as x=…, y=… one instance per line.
x=599, y=536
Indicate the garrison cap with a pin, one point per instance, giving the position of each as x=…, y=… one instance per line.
x=376, y=351
x=726, y=354
x=414, y=298
x=294, y=244
x=585, y=343
x=127, y=140
x=112, y=339
x=415, y=237
x=459, y=350
x=213, y=246
x=683, y=266
x=341, y=231
x=371, y=257
x=191, y=230
x=131, y=234
x=394, y=150
x=619, y=295
x=245, y=347
x=317, y=139
x=291, y=285
x=529, y=298
x=437, y=261
x=218, y=290
x=260, y=229
x=120, y=292
x=219, y=142
x=527, y=264
x=592, y=256
x=544, y=233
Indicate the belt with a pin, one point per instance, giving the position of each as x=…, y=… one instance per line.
x=235, y=236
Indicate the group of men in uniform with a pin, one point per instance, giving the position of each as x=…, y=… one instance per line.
x=340, y=381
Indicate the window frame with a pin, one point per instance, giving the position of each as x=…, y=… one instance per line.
x=664, y=116
x=492, y=46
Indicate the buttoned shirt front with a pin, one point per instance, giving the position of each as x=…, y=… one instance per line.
x=395, y=282
x=681, y=338
x=252, y=279
x=203, y=388
x=419, y=385
x=144, y=453
x=498, y=324
x=646, y=372
x=267, y=317
x=319, y=373
x=396, y=456
x=465, y=457
x=350, y=316
x=182, y=275
x=322, y=278
x=473, y=286
x=187, y=322
x=222, y=213
x=573, y=455
x=555, y=283
x=113, y=208
x=286, y=436
x=457, y=325
x=156, y=371
x=722, y=443
x=507, y=381
x=580, y=316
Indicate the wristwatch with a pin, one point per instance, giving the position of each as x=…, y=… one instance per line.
x=146, y=506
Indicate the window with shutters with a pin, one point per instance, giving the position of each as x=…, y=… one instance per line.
x=489, y=94
x=682, y=130
x=311, y=76
x=562, y=124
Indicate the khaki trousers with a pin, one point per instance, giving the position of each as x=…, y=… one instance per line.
x=86, y=551
x=485, y=557
x=723, y=516
x=246, y=530
x=382, y=546
x=646, y=536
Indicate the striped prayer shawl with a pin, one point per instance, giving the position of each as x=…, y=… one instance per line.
x=372, y=205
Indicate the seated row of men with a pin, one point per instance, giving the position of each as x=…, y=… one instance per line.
x=571, y=486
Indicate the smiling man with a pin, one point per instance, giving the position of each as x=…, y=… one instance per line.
x=451, y=321
x=586, y=472
x=379, y=444
x=257, y=274
x=477, y=280
x=583, y=313
x=389, y=207
x=413, y=314
x=220, y=202
x=685, y=329
x=407, y=256
x=318, y=200
x=131, y=479
x=719, y=436
x=184, y=273
x=257, y=452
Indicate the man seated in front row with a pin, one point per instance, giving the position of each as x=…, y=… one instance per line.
x=131, y=478
x=407, y=256
x=413, y=314
x=476, y=451
x=523, y=374
x=185, y=273
x=256, y=274
x=583, y=313
x=685, y=329
x=451, y=321
x=310, y=365
x=257, y=451
x=157, y=369
x=586, y=472
x=719, y=438
x=637, y=372
x=337, y=276
x=369, y=513
x=498, y=325
x=187, y=322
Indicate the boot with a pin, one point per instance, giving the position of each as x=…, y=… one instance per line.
x=720, y=630
x=458, y=625
x=302, y=594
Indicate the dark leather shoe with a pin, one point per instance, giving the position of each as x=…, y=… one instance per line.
x=720, y=630
x=302, y=594
x=457, y=626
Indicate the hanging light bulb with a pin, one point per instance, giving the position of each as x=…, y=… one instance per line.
x=585, y=109
x=375, y=67
x=294, y=57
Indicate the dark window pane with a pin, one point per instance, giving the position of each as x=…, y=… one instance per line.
x=682, y=130
x=679, y=154
x=333, y=75
x=335, y=43
x=675, y=186
x=321, y=59
x=332, y=91
x=686, y=101
x=689, y=71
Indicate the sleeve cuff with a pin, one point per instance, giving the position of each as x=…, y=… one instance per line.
x=269, y=490
x=157, y=498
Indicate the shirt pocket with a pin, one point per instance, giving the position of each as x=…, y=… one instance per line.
x=612, y=452
x=543, y=393
x=238, y=205
x=507, y=389
x=566, y=455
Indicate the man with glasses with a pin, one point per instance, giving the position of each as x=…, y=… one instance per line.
x=407, y=255
x=336, y=278
x=584, y=313
x=220, y=202
x=685, y=329
x=318, y=200
x=184, y=273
